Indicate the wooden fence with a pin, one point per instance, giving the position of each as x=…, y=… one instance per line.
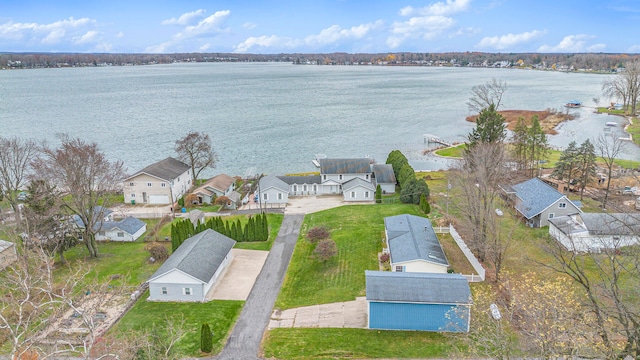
x=466, y=251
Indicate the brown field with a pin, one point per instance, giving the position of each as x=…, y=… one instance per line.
x=548, y=119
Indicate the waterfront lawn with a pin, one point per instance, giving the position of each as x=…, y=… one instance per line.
x=221, y=315
x=634, y=130
x=300, y=343
x=358, y=231
x=454, y=151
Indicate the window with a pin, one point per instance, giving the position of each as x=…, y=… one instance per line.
x=551, y=215
x=130, y=184
x=186, y=291
x=324, y=177
x=265, y=196
x=133, y=195
x=366, y=194
x=279, y=196
x=340, y=176
x=120, y=234
x=304, y=187
x=315, y=188
x=399, y=268
x=295, y=188
x=366, y=176
x=149, y=184
x=353, y=194
x=178, y=179
x=164, y=290
x=163, y=184
x=562, y=205
x=101, y=233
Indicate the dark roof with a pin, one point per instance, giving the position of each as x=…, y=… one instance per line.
x=384, y=173
x=345, y=166
x=536, y=196
x=411, y=238
x=417, y=287
x=129, y=224
x=220, y=182
x=167, y=169
x=270, y=181
x=355, y=182
x=299, y=180
x=612, y=223
x=198, y=256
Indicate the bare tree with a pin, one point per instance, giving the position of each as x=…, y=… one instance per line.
x=625, y=86
x=609, y=147
x=15, y=161
x=484, y=95
x=195, y=149
x=82, y=172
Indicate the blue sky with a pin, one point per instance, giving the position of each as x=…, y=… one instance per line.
x=320, y=26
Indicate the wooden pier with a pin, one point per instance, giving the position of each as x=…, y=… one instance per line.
x=428, y=138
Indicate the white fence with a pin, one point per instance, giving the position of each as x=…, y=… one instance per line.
x=466, y=251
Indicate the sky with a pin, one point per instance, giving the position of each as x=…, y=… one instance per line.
x=320, y=26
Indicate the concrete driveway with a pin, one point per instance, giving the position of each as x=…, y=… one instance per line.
x=237, y=280
x=311, y=204
x=349, y=314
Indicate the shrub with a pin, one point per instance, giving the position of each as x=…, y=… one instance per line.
x=325, y=250
x=384, y=257
x=158, y=252
x=317, y=233
x=206, y=340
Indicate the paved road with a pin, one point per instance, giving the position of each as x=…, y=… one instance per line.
x=244, y=341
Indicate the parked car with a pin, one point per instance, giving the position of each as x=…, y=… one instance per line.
x=256, y=197
x=628, y=190
x=22, y=196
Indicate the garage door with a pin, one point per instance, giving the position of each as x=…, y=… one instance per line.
x=158, y=199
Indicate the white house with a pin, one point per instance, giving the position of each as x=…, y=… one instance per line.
x=190, y=272
x=335, y=172
x=163, y=182
x=413, y=245
x=272, y=190
x=595, y=232
x=302, y=185
x=108, y=229
x=357, y=189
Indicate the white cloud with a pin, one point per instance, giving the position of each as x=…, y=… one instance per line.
x=596, y=47
x=186, y=18
x=53, y=33
x=249, y=25
x=439, y=8
x=634, y=49
x=268, y=42
x=120, y=35
x=88, y=37
x=425, y=28
x=570, y=43
x=335, y=33
x=508, y=41
x=205, y=47
x=210, y=26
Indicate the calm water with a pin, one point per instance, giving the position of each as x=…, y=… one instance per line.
x=274, y=117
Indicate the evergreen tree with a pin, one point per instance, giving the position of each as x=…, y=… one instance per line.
x=265, y=227
x=206, y=338
x=537, y=145
x=378, y=194
x=566, y=167
x=406, y=174
x=490, y=128
x=175, y=241
x=586, y=164
x=519, y=141
x=397, y=160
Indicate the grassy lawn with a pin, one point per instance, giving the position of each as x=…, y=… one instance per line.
x=274, y=220
x=358, y=231
x=455, y=151
x=221, y=315
x=634, y=130
x=355, y=343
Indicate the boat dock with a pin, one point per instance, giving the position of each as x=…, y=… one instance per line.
x=428, y=138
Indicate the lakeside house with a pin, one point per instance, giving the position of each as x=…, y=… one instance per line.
x=110, y=229
x=191, y=271
x=219, y=185
x=595, y=232
x=161, y=183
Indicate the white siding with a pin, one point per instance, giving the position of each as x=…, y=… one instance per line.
x=420, y=266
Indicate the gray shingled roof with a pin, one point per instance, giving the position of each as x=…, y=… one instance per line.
x=384, y=173
x=220, y=182
x=355, y=182
x=167, y=169
x=567, y=225
x=411, y=238
x=299, y=180
x=270, y=181
x=199, y=256
x=536, y=196
x=129, y=224
x=417, y=287
x=345, y=166
x=612, y=223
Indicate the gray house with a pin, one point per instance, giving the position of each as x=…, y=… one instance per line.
x=538, y=202
x=595, y=232
x=418, y=301
x=357, y=189
x=273, y=190
x=384, y=176
x=335, y=172
x=413, y=245
x=190, y=272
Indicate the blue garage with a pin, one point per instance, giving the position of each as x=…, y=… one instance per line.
x=418, y=301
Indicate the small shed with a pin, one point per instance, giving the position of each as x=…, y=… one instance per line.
x=190, y=272
x=418, y=301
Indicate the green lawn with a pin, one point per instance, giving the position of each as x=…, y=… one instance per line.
x=358, y=231
x=455, y=151
x=274, y=220
x=634, y=130
x=355, y=343
x=221, y=315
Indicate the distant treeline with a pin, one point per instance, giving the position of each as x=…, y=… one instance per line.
x=564, y=62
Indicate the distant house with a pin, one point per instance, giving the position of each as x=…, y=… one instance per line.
x=272, y=190
x=417, y=301
x=163, y=182
x=413, y=245
x=357, y=189
x=538, y=202
x=219, y=185
x=7, y=254
x=234, y=199
x=384, y=176
x=108, y=229
x=595, y=232
x=190, y=272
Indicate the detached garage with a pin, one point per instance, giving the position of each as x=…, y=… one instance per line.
x=418, y=301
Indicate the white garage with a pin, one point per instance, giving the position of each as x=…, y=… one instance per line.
x=159, y=199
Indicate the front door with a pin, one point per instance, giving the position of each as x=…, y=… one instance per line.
x=144, y=197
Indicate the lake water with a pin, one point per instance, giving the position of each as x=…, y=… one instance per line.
x=273, y=118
